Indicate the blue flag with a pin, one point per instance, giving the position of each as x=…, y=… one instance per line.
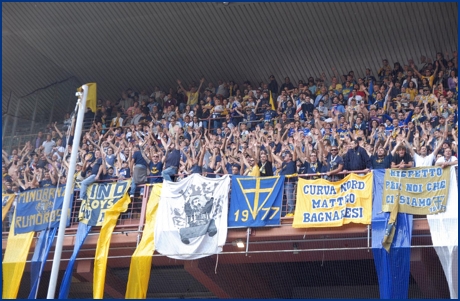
x=39, y=209
x=393, y=268
x=256, y=201
x=41, y=252
x=82, y=233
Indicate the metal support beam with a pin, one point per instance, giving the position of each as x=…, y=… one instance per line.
x=13, y=133
x=54, y=103
x=34, y=114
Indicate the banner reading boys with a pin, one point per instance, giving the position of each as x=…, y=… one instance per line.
x=256, y=201
x=420, y=190
x=101, y=196
x=321, y=203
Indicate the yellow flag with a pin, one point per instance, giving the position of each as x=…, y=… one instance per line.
x=7, y=200
x=391, y=226
x=272, y=102
x=103, y=244
x=14, y=262
x=141, y=262
x=390, y=229
x=91, y=100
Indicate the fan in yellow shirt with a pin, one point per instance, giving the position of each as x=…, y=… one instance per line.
x=252, y=169
x=193, y=94
x=428, y=75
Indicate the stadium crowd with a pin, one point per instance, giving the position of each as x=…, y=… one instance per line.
x=400, y=117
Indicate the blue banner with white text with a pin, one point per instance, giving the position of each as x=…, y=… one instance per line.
x=256, y=201
x=39, y=209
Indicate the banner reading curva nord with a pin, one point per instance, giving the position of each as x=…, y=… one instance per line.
x=321, y=203
x=421, y=190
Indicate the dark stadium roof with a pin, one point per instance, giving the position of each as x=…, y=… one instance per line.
x=140, y=45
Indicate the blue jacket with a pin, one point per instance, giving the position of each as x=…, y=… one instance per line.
x=357, y=159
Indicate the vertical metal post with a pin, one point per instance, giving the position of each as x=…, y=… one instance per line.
x=145, y=199
x=5, y=125
x=247, y=240
x=7, y=119
x=34, y=115
x=16, y=114
x=67, y=195
x=368, y=237
x=54, y=101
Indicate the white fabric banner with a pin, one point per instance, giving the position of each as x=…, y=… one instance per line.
x=444, y=234
x=192, y=217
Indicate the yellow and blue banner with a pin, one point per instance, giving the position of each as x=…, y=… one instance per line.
x=321, y=203
x=14, y=261
x=101, y=197
x=141, y=262
x=393, y=268
x=102, y=207
x=256, y=201
x=39, y=209
x=418, y=190
x=7, y=201
x=103, y=243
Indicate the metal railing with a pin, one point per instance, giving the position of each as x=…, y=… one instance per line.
x=135, y=215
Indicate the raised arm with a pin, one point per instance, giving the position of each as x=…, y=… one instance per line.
x=57, y=130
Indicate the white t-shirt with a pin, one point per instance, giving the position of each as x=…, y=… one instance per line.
x=443, y=160
x=423, y=161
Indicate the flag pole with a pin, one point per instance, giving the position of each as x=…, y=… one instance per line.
x=68, y=192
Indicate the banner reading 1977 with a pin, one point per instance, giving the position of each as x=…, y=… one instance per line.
x=256, y=201
x=419, y=190
x=321, y=203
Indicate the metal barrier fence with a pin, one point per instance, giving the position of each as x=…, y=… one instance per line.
x=135, y=215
